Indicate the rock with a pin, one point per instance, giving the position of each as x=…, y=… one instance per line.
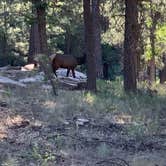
x=3, y=104
x=81, y=121
x=28, y=67
x=72, y=83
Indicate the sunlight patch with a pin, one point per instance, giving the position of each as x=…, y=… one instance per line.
x=50, y=104
x=3, y=132
x=122, y=119
x=15, y=121
x=90, y=98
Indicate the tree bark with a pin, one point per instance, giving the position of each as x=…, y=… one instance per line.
x=152, y=66
x=89, y=46
x=41, y=17
x=151, y=70
x=34, y=42
x=130, y=45
x=162, y=73
x=5, y=34
x=97, y=37
x=44, y=60
x=67, y=49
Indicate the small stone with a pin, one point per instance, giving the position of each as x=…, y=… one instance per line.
x=82, y=121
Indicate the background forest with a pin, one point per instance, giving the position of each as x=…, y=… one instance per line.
x=125, y=46
x=65, y=33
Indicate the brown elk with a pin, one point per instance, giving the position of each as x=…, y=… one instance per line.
x=67, y=62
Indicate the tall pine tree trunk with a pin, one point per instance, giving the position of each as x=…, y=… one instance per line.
x=67, y=49
x=3, y=36
x=97, y=37
x=41, y=17
x=89, y=46
x=34, y=42
x=162, y=74
x=151, y=69
x=44, y=60
x=130, y=45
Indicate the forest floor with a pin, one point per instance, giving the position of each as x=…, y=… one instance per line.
x=77, y=128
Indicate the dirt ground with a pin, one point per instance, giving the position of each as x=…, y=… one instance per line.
x=35, y=132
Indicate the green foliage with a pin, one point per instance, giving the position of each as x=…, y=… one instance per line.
x=6, y=55
x=13, y=31
x=141, y=110
x=148, y=52
x=10, y=161
x=154, y=11
x=65, y=27
x=161, y=33
x=160, y=43
x=76, y=42
x=41, y=4
x=42, y=157
x=161, y=39
x=112, y=56
x=113, y=11
x=11, y=60
x=64, y=24
x=149, y=22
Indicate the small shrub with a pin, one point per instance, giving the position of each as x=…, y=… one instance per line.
x=11, y=60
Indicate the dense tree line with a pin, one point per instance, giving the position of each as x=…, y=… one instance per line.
x=119, y=37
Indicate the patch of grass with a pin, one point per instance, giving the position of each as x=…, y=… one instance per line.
x=103, y=150
x=10, y=161
x=42, y=157
x=142, y=108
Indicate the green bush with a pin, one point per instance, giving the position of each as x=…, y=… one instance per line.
x=11, y=60
x=111, y=56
